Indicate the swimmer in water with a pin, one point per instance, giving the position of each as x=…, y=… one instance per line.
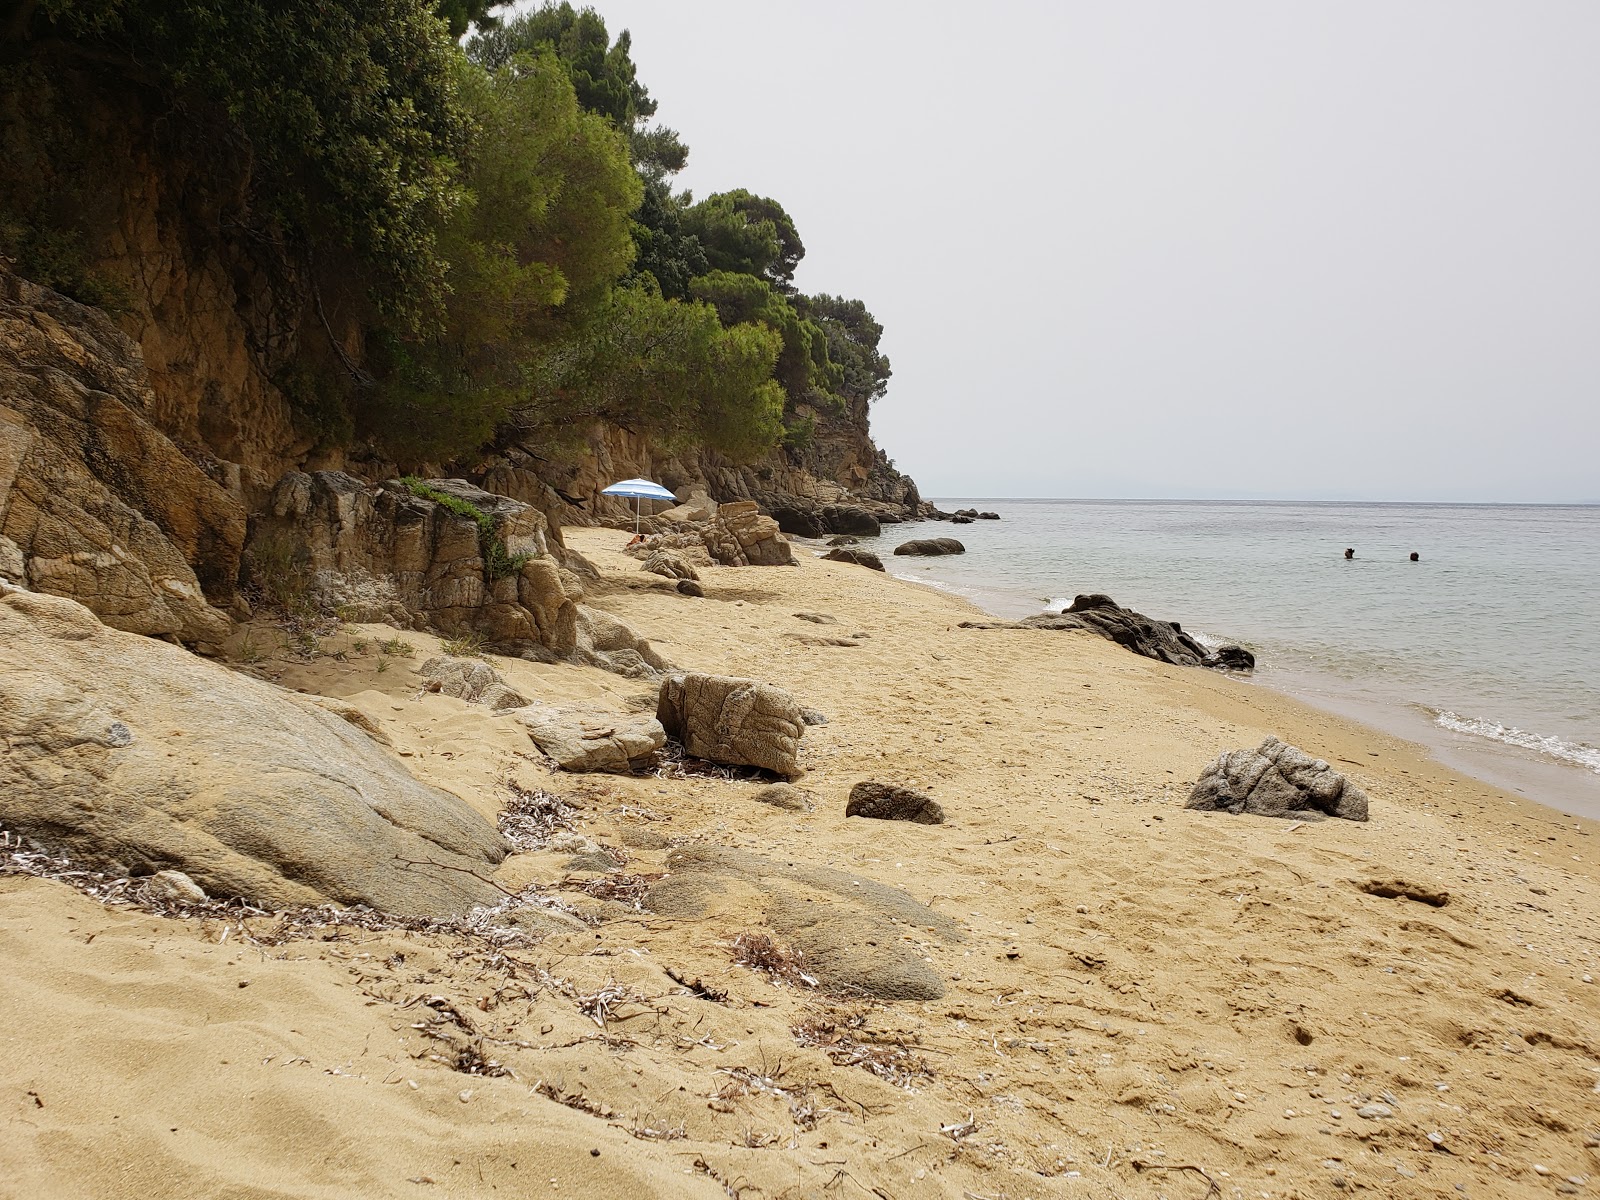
x=1415, y=557
x=1349, y=553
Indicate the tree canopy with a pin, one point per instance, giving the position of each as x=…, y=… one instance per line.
x=507, y=208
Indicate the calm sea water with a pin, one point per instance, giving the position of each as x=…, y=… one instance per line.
x=1487, y=650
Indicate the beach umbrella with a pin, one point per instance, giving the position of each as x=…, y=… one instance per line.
x=640, y=490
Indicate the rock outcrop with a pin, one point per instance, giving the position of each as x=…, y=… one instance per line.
x=668, y=564
x=131, y=756
x=96, y=503
x=735, y=721
x=1277, y=780
x=848, y=929
x=931, y=546
x=888, y=802
x=741, y=536
x=860, y=558
x=453, y=559
x=593, y=739
x=1164, y=641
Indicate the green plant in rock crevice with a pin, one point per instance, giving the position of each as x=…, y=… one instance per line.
x=498, y=562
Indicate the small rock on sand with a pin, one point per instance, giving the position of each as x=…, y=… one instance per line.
x=887, y=802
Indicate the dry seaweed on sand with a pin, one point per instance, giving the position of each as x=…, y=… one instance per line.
x=779, y=963
x=271, y=927
x=533, y=816
x=672, y=761
x=848, y=1045
x=622, y=889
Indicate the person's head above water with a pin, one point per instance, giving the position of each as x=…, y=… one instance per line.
x=1415, y=557
x=1349, y=553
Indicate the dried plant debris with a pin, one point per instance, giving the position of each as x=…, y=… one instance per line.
x=533, y=817
x=574, y=1100
x=672, y=761
x=267, y=927
x=598, y=1005
x=666, y=1133
x=621, y=889
x=847, y=1043
x=696, y=988
x=779, y=963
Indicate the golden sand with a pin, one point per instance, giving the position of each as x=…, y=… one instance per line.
x=1148, y=1001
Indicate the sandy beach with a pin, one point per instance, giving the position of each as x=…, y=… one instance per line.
x=1139, y=1000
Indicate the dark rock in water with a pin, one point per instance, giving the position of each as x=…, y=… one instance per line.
x=931, y=546
x=861, y=558
x=1277, y=780
x=1234, y=658
x=886, y=802
x=988, y=516
x=688, y=587
x=966, y=512
x=843, y=539
x=958, y=519
x=1164, y=641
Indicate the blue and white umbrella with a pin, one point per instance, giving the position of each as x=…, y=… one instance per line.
x=639, y=490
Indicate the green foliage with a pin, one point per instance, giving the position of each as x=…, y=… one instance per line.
x=803, y=366
x=460, y=15
x=542, y=234
x=668, y=254
x=350, y=113
x=668, y=368
x=853, y=335
x=320, y=401
x=602, y=73
x=749, y=234
x=498, y=562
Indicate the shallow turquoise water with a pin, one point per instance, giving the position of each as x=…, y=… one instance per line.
x=1487, y=649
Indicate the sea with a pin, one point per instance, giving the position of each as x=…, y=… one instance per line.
x=1486, y=650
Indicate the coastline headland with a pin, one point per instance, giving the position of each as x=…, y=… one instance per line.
x=1135, y=998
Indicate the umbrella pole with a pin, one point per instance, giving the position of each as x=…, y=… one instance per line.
x=637, y=505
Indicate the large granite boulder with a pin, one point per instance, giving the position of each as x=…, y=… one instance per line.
x=1164, y=641
x=96, y=503
x=740, y=535
x=931, y=546
x=735, y=721
x=851, y=554
x=469, y=679
x=593, y=739
x=1277, y=780
x=133, y=756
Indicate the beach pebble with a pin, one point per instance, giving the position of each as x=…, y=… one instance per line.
x=1540, y=1169
x=1374, y=1112
x=464, y=1095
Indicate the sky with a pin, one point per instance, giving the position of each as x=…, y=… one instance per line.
x=1343, y=250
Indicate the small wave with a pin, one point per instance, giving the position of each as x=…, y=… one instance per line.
x=1577, y=753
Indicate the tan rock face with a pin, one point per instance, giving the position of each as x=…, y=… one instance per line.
x=132, y=756
x=99, y=505
x=735, y=721
x=592, y=739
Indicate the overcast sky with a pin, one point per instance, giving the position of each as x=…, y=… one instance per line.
x=1274, y=249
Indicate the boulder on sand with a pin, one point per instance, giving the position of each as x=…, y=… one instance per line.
x=931, y=546
x=469, y=679
x=131, y=756
x=887, y=802
x=1277, y=780
x=665, y=562
x=1164, y=641
x=592, y=739
x=735, y=721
